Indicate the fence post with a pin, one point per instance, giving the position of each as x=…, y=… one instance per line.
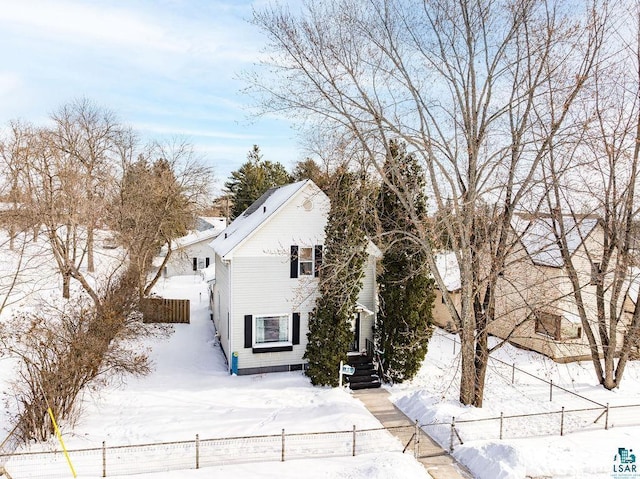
x=353, y=451
x=453, y=428
x=104, y=459
x=551, y=390
x=562, y=421
x=416, y=447
x=606, y=418
x=197, y=451
x=513, y=373
x=282, y=457
x=501, y=418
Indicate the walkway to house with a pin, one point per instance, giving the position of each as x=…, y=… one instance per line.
x=438, y=463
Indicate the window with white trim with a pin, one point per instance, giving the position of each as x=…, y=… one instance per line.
x=272, y=329
x=305, y=261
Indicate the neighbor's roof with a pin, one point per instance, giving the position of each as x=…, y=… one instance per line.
x=255, y=216
x=447, y=265
x=196, y=237
x=539, y=240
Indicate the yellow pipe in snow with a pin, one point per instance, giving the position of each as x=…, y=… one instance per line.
x=59, y=435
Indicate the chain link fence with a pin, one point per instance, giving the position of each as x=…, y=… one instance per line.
x=170, y=456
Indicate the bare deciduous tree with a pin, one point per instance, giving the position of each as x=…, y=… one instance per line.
x=146, y=218
x=63, y=350
x=477, y=90
x=605, y=185
x=93, y=140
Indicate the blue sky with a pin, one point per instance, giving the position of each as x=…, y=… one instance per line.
x=165, y=67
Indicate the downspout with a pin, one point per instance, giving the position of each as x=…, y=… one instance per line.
x=230, y=313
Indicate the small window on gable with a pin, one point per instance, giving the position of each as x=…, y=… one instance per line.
x=201, y=263
x=305, y=261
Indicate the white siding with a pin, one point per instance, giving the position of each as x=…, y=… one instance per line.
x=293, y=225
x=262, y=284
x=181, y=261
x=220, y=304
x=368, y=297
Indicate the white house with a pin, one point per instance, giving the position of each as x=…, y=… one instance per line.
x=191, y=253
x=266, y=264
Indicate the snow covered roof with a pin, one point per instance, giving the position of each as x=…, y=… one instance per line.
x=196, y=237
x=206, y=222
x=255, y=216
x=447, y=265
x=539, y=240
x=187, y=240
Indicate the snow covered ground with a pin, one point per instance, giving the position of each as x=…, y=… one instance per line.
x=532, y=445
x=190, y=392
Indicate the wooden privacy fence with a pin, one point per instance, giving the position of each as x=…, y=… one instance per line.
x=160, y=310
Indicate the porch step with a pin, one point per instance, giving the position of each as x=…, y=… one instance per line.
x=365, y=375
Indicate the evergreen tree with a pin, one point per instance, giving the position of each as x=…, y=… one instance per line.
x=252, y=179
x=145, y=219
x=341, y=275
x=308, y=169
x=405, y=288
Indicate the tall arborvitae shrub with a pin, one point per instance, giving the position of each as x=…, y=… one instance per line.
x=340, y=280
x=403, y=326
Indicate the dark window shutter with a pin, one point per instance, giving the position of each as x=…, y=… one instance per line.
x=296, y=329
x=294, y=261
x=248, y=331
x=318, y=263
x=195, y=264
x=206, y=262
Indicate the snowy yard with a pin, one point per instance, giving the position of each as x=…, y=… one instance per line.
x=532, y=446
x=190, y=392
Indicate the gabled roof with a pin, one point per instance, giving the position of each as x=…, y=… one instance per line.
x=539, y=240
x=256, y=215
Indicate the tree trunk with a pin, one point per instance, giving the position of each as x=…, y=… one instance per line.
x=12, y=236
x=468, y=370
x=90, y=241
x=66, y=285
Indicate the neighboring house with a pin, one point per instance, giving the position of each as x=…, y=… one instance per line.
x=192, y=253
x=266, y=283
x=535, y=307
x=447, y=265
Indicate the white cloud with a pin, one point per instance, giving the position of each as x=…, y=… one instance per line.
x=9, y=82
x=79, y=22
x=168, y=129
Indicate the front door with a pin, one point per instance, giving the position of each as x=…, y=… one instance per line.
x=355, y=329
